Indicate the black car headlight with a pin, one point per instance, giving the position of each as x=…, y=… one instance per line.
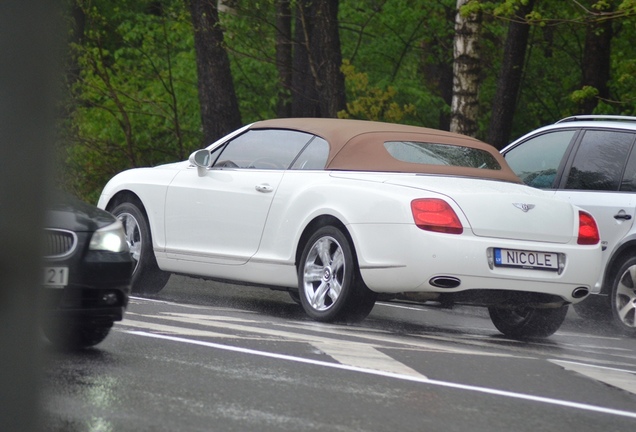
x=111, y=238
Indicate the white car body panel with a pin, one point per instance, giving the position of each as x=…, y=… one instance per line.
x=150, y=185
x=604, y=206
x=218, y=218
x=258, y=244
x=473, y=196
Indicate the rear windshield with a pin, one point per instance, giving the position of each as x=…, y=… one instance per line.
x=441, y=154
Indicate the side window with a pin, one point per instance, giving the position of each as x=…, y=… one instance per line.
x=629, y=178
x=536, y=161
x=262, y=149
x=313, y=157
x=600, y=160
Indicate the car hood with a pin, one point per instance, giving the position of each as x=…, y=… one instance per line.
x=68, y=212
x=504, y=210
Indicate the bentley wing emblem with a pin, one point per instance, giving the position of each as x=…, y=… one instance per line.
x=523, y=206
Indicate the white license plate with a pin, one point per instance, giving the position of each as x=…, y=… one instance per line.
x=526, y=259
x=55, y=277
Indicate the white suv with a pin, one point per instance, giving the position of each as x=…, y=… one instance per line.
x=591, y=162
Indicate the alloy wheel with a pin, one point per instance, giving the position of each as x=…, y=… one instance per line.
x=324, y=273
x=133, y=236
x=625, y=298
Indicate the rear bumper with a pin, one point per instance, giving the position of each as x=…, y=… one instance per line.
x=403, y=258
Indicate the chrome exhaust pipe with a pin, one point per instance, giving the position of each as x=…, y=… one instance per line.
x=580, y=292
x=445, y=282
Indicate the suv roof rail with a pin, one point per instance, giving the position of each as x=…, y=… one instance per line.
x=597, y=117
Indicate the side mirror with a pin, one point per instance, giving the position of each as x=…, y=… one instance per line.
x=201, y=159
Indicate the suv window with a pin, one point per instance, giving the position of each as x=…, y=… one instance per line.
x=629, y=178
x=536, y=161
x=600, y=161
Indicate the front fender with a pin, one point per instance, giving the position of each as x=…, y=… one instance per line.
x=149, y=185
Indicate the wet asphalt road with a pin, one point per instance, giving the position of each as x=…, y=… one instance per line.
x=203, y=356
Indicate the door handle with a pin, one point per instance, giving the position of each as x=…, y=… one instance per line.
x=265, y=188
x=622, y=216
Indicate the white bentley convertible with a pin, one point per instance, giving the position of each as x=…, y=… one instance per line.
x=339, y=211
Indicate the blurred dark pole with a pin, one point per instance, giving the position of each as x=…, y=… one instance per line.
x=30, y=57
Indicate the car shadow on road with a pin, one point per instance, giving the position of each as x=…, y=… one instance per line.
x=440, y=321
x=276, y=303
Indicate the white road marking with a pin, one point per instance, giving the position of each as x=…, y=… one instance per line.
x=350, y=353
x=183, y=331
x=586, y=336
x=374, y=338
x=399, y=306
x=422, y=380
x=377, y=336
x=613, y=355
x=364, y=356
x=142, y=300
x=619, y=378
x=560, y=332
x=367, y=355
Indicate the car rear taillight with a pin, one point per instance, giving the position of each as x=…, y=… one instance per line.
x=588, y=230
x=434, y=214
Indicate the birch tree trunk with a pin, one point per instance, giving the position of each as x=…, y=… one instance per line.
x=466, y=69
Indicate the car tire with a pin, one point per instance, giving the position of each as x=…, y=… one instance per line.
x=147, y=278
x=71, y=336
x=623, y=297
x=527, y=322
x=329, y=282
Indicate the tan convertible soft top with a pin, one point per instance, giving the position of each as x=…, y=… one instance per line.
x=358, y=145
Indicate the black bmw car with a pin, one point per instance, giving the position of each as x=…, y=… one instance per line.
x=87, y=273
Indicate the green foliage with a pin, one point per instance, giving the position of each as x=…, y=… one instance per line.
x=585, y=93
x=400, y=45
x=372, y=103
x=132, y=80
x=250, y=38
x=135, y=100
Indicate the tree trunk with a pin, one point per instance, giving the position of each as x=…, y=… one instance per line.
x=509, y=82
x=284, y=57
x=437, y=63
x=318, y=88
x=304, y=93
x=329, y=78
x=219, y=106
x=466, y=68
x=596, y=63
